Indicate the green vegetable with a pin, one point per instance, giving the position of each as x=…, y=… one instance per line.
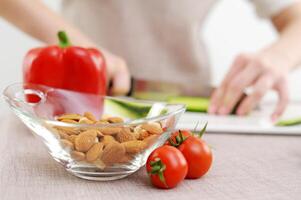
x=129, y=109
x=157, y=96
x=135, y=110
x=126, y=108
x=289, y=122
x=193, y=104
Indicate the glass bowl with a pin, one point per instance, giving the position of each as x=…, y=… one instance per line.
x=110, y=146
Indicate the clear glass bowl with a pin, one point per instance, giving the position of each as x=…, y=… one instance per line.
x=39, y=106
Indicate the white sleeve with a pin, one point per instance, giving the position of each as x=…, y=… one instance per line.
x=269, y=8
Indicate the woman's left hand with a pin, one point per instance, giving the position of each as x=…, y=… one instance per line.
x=258, y=72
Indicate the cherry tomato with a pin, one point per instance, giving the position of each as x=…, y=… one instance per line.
x=166, y=167
x=196, y=152
x=198, y=156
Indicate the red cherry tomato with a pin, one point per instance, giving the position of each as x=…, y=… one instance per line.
x=166, y=167
x=198, y=156
x=196, y=152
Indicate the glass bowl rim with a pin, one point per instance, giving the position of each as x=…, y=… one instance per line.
x=182, y=108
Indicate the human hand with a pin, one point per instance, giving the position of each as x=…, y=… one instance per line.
x=261, y=73
x=118, y=74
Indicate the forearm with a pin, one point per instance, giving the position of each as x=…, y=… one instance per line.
x=34, y=18
x=287, y=49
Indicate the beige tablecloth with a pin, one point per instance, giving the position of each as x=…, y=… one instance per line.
x=245, y=167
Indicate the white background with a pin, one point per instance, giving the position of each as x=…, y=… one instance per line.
x=232, y=27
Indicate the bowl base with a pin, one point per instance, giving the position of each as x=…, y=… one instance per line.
x=101, y=176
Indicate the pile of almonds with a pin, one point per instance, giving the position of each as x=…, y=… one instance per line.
x=105, y=146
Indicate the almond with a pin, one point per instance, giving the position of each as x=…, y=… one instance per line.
x=115, y=120
x=134, y=146
x=143, y=134
x=107, y=139
x=125, y=135
x=85, y=140
x=85, y=120
x=67, y=143
x=99, y=134
x=136, y=131
x=71, y=138
x=79, y=156
x=99, y=163
x=90, y=116
x=140, y=133
x=113, y=153
x=94, y=152
x=69, y=121
x=63, y=135
x=153, y=127
x=126, y=159
x=102, y=122
x=71, y=116
x=109, y=130
x=67, y=130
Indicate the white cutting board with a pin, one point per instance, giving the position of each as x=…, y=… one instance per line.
x=258, y=122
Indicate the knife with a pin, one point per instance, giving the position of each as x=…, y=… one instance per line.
x=167, y=92
x=171, y=93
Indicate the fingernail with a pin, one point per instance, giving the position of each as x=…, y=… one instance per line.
x=212, y=109
x=223, y=111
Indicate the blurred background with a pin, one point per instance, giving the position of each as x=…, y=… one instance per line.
x=231, y=28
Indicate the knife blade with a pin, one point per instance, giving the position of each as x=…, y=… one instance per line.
x=153, y=90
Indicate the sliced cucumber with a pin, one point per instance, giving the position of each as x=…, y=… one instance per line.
x=289, y=122
x=134, y=110
x=193, y=104
x=126, y=108
x=130, y=109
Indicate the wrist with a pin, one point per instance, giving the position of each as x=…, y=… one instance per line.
x=281, y=55
x=277, y=59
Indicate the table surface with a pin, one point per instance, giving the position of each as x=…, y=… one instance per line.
x=245, y=167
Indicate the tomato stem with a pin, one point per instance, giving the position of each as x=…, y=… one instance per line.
x=63, y=39
x=179, y=139
x=203, y=130
x=172, y=143
x=157, y=168
x=182, y=137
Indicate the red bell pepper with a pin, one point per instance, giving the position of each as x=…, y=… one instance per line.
x=66, y=67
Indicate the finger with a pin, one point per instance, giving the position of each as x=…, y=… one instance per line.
x=238, y=65
x=261, y=86
x=111, y=66
x=216, y=97
x=120, y=81
x=282, y=90
x=236, y=88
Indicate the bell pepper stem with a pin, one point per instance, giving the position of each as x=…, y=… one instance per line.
x=63, y=39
